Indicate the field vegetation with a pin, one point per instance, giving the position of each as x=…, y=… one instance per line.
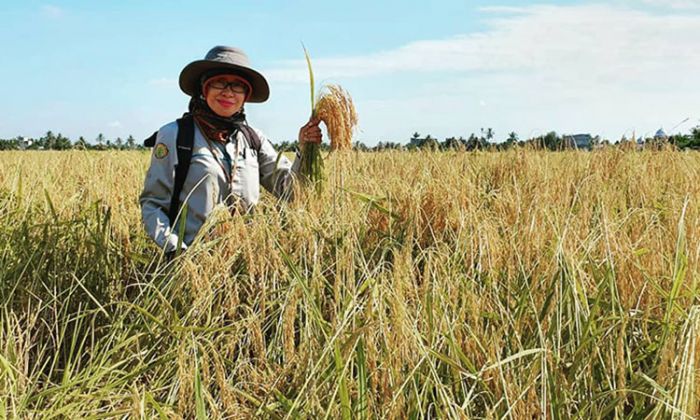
x=519, y=284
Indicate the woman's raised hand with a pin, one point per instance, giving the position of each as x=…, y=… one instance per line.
x=310, y=132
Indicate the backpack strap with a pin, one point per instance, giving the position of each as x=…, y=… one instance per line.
x=251, y=136
x=151, y=141
x=185, y=142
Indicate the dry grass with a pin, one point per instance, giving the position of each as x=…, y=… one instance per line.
x=521, y=284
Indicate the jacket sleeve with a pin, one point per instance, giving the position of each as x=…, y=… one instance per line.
x=158, y=189
x=277, y=176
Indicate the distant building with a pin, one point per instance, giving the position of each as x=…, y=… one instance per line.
x=660, y=138
x=23, y=144
x=578, y=141
x=661, y=135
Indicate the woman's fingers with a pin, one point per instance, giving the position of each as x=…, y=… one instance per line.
x=311, y=132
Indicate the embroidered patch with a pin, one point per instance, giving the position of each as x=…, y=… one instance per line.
x=160, y=151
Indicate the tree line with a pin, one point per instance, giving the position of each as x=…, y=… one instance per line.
x=51, y=141
x=485, y=141
x=549, y=141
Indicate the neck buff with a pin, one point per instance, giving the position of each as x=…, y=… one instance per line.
x=215, y=127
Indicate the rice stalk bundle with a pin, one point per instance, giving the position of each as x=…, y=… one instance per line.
x=311, y=160
x=336, y=110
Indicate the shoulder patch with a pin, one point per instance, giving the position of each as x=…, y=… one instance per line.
x=160, y=151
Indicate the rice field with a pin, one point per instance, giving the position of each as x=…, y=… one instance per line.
x=521, y=284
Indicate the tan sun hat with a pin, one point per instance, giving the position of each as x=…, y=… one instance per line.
x=222, y=60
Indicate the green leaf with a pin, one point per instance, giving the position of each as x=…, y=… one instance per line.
x=311, y=81
x=362, y=380
x=200, y=408
x=181, y=229
x=343, y=391
x=152, y=401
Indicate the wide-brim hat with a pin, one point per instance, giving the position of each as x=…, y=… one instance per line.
x=221, y=58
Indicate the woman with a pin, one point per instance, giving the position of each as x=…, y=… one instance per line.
x=229, y=160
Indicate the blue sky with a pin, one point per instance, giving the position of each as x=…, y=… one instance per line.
x=612, y=68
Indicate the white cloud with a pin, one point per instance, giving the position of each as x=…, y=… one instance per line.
x=114, y=124
x=51, y=11
x=599, y=68
x=584, y=43
x=675, y=4
x=163, y=82
x=503, y=9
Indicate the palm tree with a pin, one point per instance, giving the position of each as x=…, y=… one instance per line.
x=81, y=144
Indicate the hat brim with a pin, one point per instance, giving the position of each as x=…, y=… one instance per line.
x=189, y=78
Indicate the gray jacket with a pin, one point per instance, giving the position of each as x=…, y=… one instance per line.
x=207, y=182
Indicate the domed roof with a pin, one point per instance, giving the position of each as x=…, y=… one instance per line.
x=660, y=134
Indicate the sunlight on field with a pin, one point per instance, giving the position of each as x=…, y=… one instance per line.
x=440, y=284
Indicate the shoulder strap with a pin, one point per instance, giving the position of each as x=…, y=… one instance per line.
x=151, y=141
x=185, y=142
x=251, y=136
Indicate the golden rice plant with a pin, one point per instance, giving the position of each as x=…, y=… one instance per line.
x=336, y=109
x=522, y=284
